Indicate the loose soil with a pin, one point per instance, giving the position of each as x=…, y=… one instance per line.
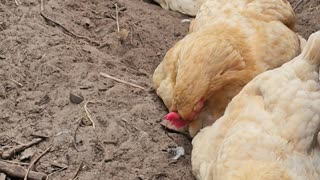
x=42, y=62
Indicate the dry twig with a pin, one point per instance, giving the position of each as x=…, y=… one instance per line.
x=18, y=2
x=9, y=153
x=117, y=17
x=127, y=122
x=17, y=142
x=121, y=81
x=186, y=20
x=296, y=6
x=55, y=164
x=110, y=16
x=19, y=172
x=139, y=36
x=57, y=171
x=40, y=136
x=15, y=162
x=87, y=111
x=37, y=159
x=78, y=170
x=16, y=82
x=114, y=142
x=75, y=135
x=88, y=115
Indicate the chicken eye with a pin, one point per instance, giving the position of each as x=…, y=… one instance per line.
x=197, y=107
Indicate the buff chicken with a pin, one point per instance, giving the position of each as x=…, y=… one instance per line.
x=229, y=43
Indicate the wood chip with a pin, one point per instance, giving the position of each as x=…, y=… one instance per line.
x=9, y=153
x=121, y=81
x=17, y=171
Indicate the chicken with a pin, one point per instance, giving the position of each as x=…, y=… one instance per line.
x=269, y=130
x=188, y=7
x=229, y=43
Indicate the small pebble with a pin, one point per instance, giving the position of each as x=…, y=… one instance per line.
x=177, y=34
x=75, y=99
x=27, y=154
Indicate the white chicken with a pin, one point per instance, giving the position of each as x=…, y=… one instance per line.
x=188, y=7
x=269, y=130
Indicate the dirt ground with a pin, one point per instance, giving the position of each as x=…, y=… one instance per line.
x=41, y=63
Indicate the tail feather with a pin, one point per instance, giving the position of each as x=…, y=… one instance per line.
x=311, y=51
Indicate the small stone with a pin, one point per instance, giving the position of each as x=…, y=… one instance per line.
x=44, y=100
x=27, y=154
x=108, y=156
x=87, y=23
x=108, y=160
x=158, y=53
x=177, y=34
x=75, y=99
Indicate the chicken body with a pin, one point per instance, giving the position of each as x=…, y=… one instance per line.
x=188, y=7
x=229, y=43
x=269, y=130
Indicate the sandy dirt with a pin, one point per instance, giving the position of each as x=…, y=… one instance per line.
x=42, y=62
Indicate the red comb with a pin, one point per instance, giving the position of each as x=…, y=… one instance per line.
x=175, y=119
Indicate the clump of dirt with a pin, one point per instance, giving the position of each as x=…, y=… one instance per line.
x=44, y=58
